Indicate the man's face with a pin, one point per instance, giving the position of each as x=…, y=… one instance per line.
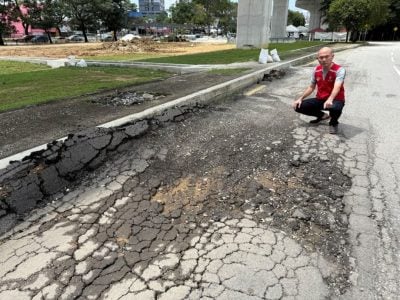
x=325, y=58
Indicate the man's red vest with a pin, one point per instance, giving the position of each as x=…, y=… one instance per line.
x=325, y=86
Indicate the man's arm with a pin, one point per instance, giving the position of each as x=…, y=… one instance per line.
x=308, y=91
x=336, y=88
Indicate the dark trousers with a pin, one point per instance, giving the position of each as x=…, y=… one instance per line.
x=314, y=107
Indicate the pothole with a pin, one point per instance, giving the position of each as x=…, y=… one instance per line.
x=128, y=98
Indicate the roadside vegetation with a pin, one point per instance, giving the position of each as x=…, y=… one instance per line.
x=27, y=84
x=10, y=67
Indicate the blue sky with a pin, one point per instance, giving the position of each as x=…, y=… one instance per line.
x=168, y=3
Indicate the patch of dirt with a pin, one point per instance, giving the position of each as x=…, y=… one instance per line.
x=127, y=98
x=111, y=48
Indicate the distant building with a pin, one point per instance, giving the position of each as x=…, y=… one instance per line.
x=20, y=31
x=151, y=7
x=134, y=14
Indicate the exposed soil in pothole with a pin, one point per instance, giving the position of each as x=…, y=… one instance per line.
x=127, y=98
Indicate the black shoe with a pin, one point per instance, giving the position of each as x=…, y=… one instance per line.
x=333, y=129
x=317, y=120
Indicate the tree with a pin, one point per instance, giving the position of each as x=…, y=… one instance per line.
x=47, y=15
x=296, y=18
x=357, y=15
x=386, y=29
x=6, y=27
x=82, y=13
x=205, y=13
x=113, y=14
x=324, y=8
x=182, y=12
x=199, y=15
x=228, y=19
x=23, y=12
x=214, y=10
x=132, y=6
x=379, y=12
x=394, y=12
x=162, y=17
x=208, y=14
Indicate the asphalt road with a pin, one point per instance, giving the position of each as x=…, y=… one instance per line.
x=373, y=109
x=240, y=200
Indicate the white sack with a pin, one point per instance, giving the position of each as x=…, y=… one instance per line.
x=82, y=63
x=275, y=56
x=263, y=57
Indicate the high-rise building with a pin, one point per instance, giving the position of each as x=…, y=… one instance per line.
x=151, y=7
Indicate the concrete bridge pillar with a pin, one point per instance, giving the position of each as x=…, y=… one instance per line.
x=253, y=23
x=279, y=19
x=313, y=6
x=260, y=20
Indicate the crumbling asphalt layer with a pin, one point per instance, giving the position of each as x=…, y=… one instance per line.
x=39, y=177
x=240, y=200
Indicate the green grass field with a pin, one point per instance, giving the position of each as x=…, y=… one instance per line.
x=233, y=55
x=216, y=57
x=24, y=84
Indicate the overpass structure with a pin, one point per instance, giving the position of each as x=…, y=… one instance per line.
x=314, y=7
x=262, y=20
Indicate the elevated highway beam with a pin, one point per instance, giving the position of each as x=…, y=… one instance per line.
x=314, y=7
x=260, y=20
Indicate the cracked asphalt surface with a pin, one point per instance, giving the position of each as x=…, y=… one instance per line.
x=242, y=199
x=230, y=203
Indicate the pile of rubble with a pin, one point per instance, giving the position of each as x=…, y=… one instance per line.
x=136, y=45
x=127, y=98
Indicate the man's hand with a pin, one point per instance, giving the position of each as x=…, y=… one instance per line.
x=328, y=104
x=297, y=103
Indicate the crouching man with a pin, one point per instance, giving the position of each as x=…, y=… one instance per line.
x=328, y=77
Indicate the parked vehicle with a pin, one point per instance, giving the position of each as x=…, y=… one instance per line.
x=24, y=39
x=75, y=38
x=58, y=39
x=105, y=37
x=91, y=37
x=40, y=39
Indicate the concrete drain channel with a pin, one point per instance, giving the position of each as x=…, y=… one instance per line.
x=128, y=98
